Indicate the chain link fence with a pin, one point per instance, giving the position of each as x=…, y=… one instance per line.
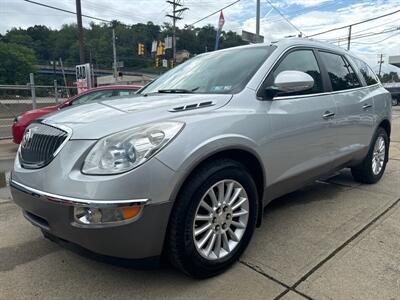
x=17, y=99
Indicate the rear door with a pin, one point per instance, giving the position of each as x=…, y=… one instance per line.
x=302, y=135
x=355, y=112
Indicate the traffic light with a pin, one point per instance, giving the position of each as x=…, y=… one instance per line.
x=140, y=49
x=157, y=62
x=171, y=63
x=161, y=49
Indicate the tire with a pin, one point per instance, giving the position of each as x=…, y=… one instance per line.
x=182, y=246
x=365, y=172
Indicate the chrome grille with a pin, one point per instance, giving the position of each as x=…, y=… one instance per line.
x=40, y=144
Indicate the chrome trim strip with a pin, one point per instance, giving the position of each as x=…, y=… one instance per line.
x=323, y=94
x=71, y=201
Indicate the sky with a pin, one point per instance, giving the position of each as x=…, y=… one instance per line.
x=309, y=16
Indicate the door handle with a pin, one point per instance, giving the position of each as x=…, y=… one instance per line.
x=365, y=106
x=328, y=115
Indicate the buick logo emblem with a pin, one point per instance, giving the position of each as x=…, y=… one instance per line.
x=27, y=138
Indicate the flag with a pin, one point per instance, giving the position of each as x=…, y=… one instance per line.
x=221, y=23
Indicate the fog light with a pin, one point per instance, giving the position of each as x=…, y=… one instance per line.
x=106, y=215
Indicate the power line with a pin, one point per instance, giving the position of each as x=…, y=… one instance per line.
x=217, y=11
x=364, y=21
x=64, y=10
x=376, y=42
x=283, y=16
x=365, y=35
x=366, y=29
x=313, y=8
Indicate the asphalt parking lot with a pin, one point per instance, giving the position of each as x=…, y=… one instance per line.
x=334, y=239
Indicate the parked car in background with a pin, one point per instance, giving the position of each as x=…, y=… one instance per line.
x=95, y=94
x=186, y=168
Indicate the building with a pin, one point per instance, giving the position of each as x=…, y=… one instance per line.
x=395, y=60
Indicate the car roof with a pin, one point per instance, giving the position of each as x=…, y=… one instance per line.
x=295, y=41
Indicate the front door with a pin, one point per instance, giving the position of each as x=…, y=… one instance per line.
x=301, y=137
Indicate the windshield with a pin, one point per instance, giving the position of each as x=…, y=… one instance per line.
x=221, y=72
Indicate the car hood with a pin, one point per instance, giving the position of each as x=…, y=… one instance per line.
x=96, y=120
x=40, y=111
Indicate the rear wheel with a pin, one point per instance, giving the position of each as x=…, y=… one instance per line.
x=373, y=166
x=213, y=219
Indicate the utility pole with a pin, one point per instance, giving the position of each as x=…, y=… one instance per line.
x=80, y=32
x=114, y=54
x=258, y=21
x=349, y=38
x=380, y=62
x=176, y=15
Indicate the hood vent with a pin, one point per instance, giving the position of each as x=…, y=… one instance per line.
x=192, y=106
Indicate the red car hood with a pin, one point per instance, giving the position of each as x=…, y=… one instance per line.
x=42, y=110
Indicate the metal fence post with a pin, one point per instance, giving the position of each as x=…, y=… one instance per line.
x=33, y=93
x=56, y=90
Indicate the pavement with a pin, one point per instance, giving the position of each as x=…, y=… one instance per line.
x=333, y=239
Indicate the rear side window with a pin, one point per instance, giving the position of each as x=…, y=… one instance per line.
x=365, y=70
x=341, y=74
x=304, y=61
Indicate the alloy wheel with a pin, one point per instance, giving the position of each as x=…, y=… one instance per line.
x=221, y=219
x=378, y=156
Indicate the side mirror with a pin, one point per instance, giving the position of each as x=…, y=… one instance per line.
x=290, y=82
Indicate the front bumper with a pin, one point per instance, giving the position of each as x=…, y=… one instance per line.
x=141, y=238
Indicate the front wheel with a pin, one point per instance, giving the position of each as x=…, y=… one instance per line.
x=213, y=219
x=373, y=166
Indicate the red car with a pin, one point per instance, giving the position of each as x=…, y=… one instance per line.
x=95, y=94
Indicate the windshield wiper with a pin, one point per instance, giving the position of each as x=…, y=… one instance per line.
x=178, y=91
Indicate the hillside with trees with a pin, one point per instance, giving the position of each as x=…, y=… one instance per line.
x=40, y=45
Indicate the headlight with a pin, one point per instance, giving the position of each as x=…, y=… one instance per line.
x=128, y=149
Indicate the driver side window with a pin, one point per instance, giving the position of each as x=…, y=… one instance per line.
x=304, y=61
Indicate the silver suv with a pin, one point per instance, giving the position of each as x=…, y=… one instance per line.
x=186, y=167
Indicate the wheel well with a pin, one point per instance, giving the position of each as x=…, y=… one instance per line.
x=385, y=124
x=249, y=161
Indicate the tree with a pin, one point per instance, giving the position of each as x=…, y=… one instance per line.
x=390, y=77
x=16, y=63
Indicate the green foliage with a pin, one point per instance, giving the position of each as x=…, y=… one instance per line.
x=390, y=77
x=16, y=63
x=51, y=44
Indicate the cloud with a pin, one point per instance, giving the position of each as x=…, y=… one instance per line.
x=306, y=3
